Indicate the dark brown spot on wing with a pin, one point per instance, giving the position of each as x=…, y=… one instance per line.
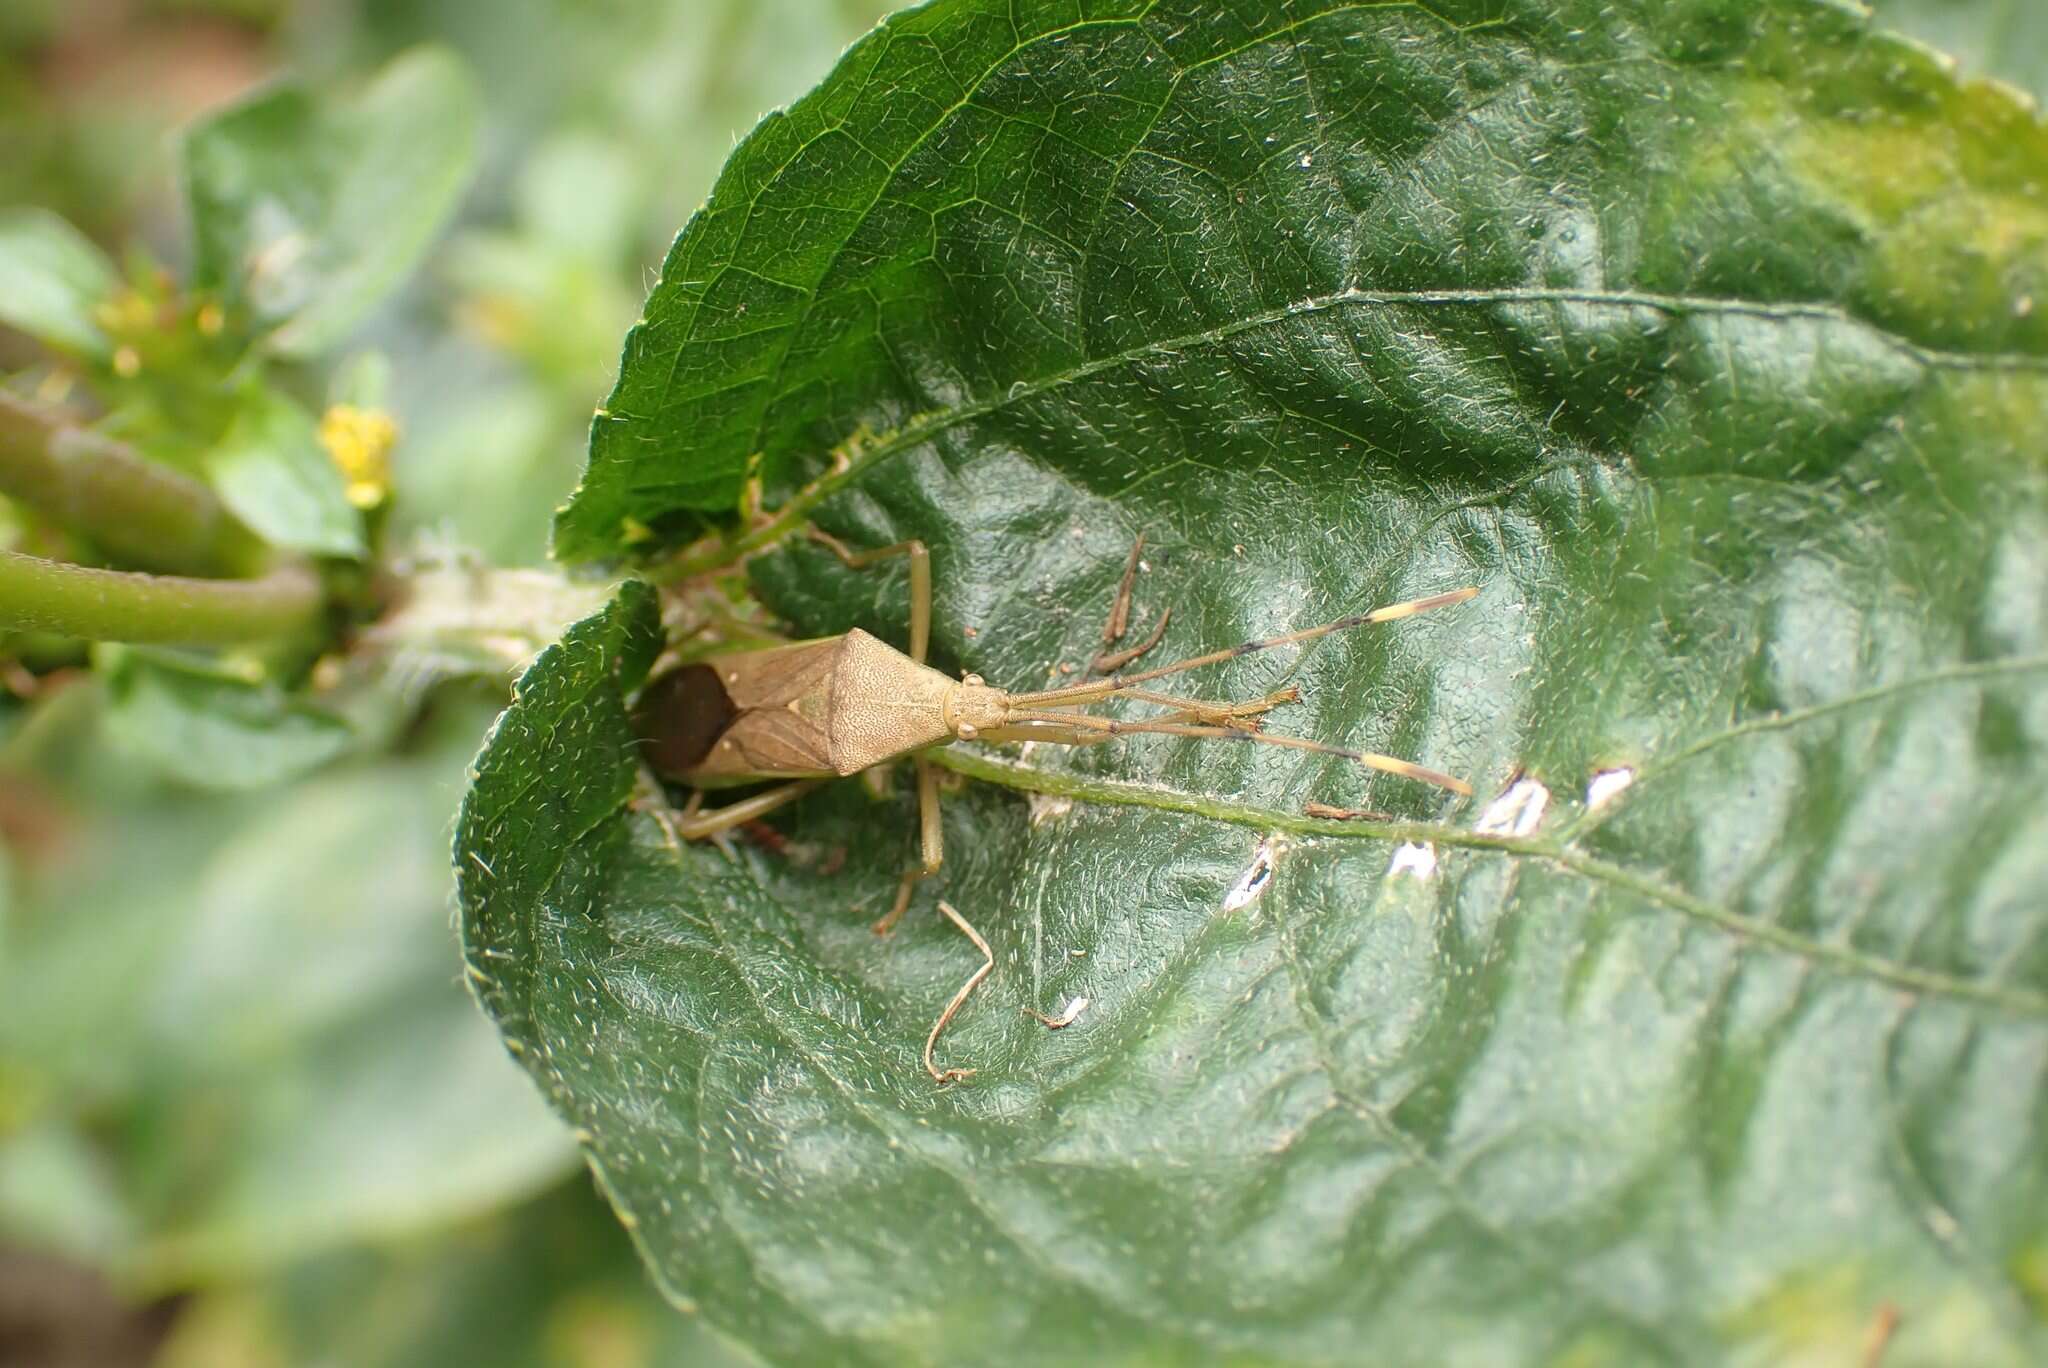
x=680, y=716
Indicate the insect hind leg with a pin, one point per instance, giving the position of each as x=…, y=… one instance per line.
x=693, y=824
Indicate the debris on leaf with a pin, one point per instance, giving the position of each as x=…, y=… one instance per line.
x=1044, y=807
x=1414, y=858
x=1330, y=813
x=1517, y=812
x=1607, y=785
x=1252, y=883
x=1067, y=1016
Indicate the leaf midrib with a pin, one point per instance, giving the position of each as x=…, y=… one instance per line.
x=1559, y=848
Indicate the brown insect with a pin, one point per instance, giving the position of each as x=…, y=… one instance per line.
x=813, y=711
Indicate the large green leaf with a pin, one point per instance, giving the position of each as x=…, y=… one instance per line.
x=305, y=212
x=1703, y=338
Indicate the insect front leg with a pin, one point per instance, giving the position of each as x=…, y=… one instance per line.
x=1111, y=660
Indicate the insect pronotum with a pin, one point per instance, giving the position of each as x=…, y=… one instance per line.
x=812, y=711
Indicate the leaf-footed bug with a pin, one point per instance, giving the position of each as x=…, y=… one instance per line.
x=811, y=711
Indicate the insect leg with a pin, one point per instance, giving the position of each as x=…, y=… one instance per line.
x=1213, y=713
x=1120, y=607
x=695, y=826
x=1238, y=715
x=1108, y=662
x=1111, y=661
x=1149, y=727
x=920, y=581
x=931, y=844
x=988, y=964
x=1114, y=684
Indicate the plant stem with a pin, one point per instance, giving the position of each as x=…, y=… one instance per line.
x=114, y=605
x=138, y=511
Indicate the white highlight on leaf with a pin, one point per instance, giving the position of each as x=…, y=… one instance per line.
x=1044, y=807
x=1517, y=812
x=1252, y=883
x=1606, y=785
x=1414, y=858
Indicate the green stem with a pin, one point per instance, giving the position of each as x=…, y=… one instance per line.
x=139, y=511
x=114, y=605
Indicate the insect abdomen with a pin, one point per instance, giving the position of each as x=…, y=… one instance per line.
x=680, y=716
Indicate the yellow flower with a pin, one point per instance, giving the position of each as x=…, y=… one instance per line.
x=359, y=441
x=126, y=313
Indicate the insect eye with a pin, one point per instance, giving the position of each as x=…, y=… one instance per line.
x=680, y=717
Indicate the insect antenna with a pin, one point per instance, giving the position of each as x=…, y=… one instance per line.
x=1116, y=727
x=1199, y=719
x=1118, y=685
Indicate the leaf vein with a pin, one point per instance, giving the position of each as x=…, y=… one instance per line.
x=1841, y=958
x=907, y=1142
x=1795, y=717
x=1557, y=1272
x=921, y=430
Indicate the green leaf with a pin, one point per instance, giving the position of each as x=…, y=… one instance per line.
x=56, y=1195
x=272, y=472
x=51, y=280
x=246, y=1002
x=1703, y=338
x=308, y=211
x=551, y=1284
x=194, y=725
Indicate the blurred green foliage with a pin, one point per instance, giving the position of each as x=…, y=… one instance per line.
x=2005, y=39
x=236, y=1066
